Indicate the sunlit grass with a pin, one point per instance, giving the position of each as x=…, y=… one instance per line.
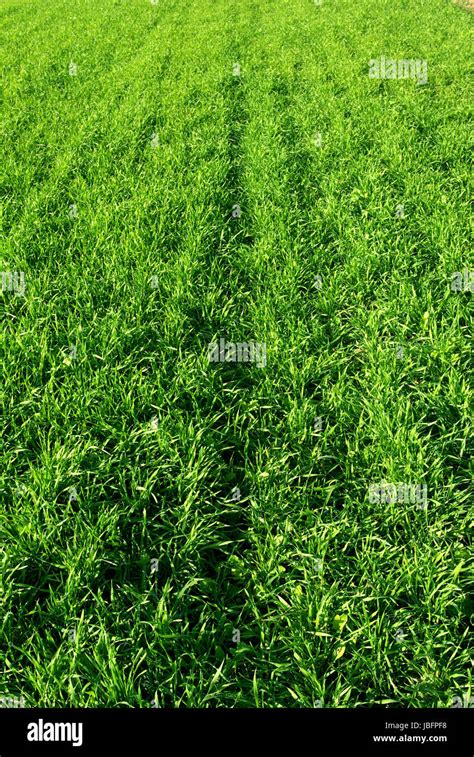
x=187, y=533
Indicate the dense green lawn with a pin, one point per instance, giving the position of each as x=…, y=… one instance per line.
x=201, y=533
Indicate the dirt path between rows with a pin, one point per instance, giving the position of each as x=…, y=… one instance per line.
x=467, y=4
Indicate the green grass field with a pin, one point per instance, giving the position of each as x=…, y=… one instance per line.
x=182, y=532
